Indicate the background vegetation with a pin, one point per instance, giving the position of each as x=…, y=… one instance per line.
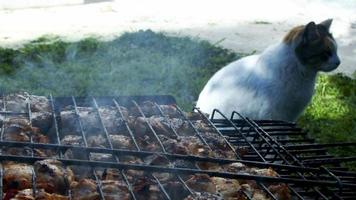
x=145, y=62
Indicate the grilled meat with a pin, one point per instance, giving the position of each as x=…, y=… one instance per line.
x=42, y=120
x=176, y=189
x=111, y=174
x=97, y=140
x=87, y=116
x=121, y=142
x=281, y=191
x=178, y=136
x=112, y=119
x=203, y=196
x=74, y=140
x=17, y=176
x=146, y=189
x=101, y=157
x=26, y=194
x=174, y=146
x=228, y=188
x=16, y=133
x=195, y=146
x=201, y=183
x=149, y=108
x=52, y=176
x=162, y=125
x=115, y=190
x=43, y=195
x=18, y=102
x=85, y=189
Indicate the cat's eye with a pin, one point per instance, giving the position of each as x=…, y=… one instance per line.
x=325, y=55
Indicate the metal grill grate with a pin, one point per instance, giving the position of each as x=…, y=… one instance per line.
x=282, y=142
x=250, y=142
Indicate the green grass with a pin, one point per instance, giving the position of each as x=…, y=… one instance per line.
x=262, y=22
x=145, y=62
x=331, y=117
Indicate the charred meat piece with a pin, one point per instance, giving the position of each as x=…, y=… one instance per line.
x=97, y=140
x=85, y=189
x=101, y=157
x=228, y=188
x=202, y=126
x=39, y=104
x=219, y=145
x=139, y=126
x=159, y=160
x=148, y=143
x=18, y=102
x=19, y=121
x=259, y=195
x=201, y=183
x=110, y=174
x=52, y=176
x=176, y=189
x=173, y=146
x=38, y=137
x=42, y=120
x=204, y=196
x=112, y=119
x=170, y=110
x=16, y=133
x=147, y=107
x=43, y=195
x=235, y=167
x=146, y=189
x=281, y=191
x=17, y=176
x=162, y=125
x=195, y=147
x=115, y=190
x=26, y=194
x=25, y=151
x=262, y=172
x=87, y=115
x=121, y=142
x=74, y=140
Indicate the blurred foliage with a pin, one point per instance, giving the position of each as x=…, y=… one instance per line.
x=144, y=63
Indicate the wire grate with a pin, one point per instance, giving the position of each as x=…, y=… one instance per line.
x=299, y=162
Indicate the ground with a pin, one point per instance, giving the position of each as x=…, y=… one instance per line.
x=237, y=25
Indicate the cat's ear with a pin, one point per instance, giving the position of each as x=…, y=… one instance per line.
x=310, y=32
x=327, y=24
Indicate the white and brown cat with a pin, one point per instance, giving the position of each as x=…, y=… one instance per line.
x=278, y=83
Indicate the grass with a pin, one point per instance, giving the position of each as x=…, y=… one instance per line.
x=262, y=22
x=145, y=62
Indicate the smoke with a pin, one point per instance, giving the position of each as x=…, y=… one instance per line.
x=141, y=63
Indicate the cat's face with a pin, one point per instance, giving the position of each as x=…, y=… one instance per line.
x=315, y=47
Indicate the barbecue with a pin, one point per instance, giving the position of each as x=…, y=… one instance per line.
x=146, y=147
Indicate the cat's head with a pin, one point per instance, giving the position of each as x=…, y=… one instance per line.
x=314, y=45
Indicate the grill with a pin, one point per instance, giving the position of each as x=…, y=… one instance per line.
x=303, y=166
x=281, y=142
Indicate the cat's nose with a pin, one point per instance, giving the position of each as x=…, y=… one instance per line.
x=336, y=60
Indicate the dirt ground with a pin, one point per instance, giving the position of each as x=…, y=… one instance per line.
x=244, y=26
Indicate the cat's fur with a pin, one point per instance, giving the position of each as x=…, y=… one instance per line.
x=278, y=83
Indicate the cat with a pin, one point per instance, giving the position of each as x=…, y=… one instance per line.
x=278, y=83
